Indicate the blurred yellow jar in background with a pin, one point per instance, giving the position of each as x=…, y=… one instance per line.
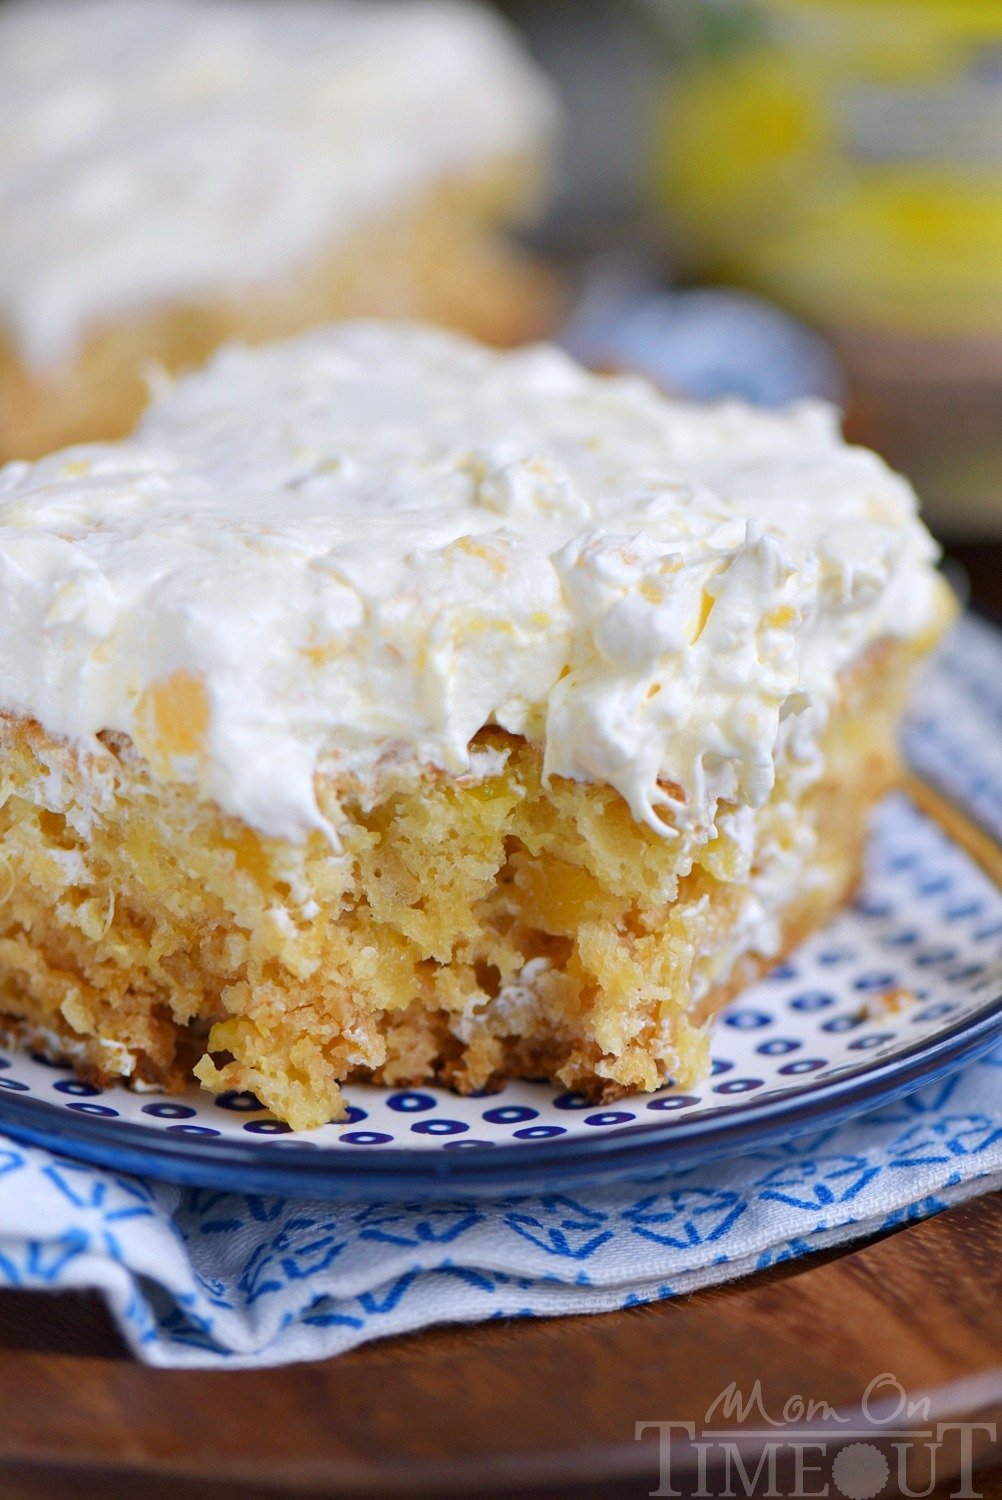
x=845, y=158
x=843, y=155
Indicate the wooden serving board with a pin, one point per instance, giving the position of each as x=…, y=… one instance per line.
x=541, y=1407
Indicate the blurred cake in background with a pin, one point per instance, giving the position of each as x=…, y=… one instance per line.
x=175, y=173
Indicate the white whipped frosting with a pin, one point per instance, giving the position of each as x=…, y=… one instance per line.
x=153, y=150
x=375, y=539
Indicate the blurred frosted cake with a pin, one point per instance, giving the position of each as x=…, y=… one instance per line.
x=394, y=708
x=174, y=173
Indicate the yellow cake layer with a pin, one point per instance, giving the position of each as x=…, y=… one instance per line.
x=144, y=932
x=442, y=260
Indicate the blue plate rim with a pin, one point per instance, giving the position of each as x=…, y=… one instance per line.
x=672, y=1143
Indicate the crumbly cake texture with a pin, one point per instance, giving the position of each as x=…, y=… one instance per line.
x=392, y=708
x=481, y=929
x=177, y=173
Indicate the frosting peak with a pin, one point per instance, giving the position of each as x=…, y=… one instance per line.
x=376, y=539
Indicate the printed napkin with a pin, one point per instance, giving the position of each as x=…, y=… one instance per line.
x=205, y=1278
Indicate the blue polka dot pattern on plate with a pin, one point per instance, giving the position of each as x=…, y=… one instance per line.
x=968, y=909
x=439, y=1127
x=411, y=1103
x=812, y=1000
x=77, y=1087
x=965, y=971
x=934, y=1012
x=241, y=1103
x=872, y=906
x=935, y=956
x=873, y=1039
x=747, y=1020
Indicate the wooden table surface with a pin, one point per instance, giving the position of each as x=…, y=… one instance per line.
x=540, y=1407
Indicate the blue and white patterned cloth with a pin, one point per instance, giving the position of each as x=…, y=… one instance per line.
x=195, y=1277
x=204, y=1278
